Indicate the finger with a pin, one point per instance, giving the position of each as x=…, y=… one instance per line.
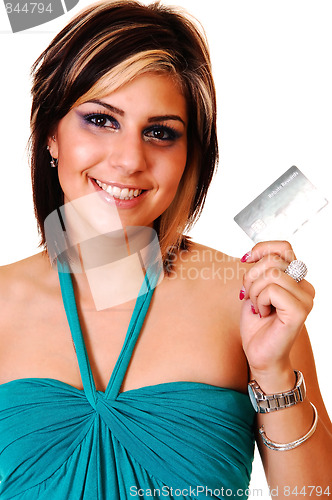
x=281, y=248
x=302, y=292
x=260, y=268
x=272, y=268
x=290, y=310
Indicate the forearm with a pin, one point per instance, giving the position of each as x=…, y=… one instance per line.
x=309, y=464
x=275, y=342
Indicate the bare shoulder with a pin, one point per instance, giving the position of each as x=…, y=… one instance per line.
x=209, y=262
x=26, y=271
x=21, y=283
x=213, y=274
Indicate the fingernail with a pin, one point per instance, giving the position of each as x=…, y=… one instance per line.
x=245, y=257
x=253, y=310
x=242, y=293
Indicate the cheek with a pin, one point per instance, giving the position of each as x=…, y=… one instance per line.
x=169, y=177
x=76, y=148
x=173, y=172
x=75, y=158
x=76, y=154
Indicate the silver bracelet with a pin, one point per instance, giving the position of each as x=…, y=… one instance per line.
x=289, y=446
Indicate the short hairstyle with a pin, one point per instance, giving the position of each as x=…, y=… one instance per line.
x=105, y=46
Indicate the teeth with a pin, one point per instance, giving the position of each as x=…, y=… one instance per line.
x=116, y=192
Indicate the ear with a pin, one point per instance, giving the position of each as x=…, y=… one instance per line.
x=52, y=146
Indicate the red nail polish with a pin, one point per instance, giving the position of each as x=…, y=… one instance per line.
x=253, y=310
x=242, y=293
x=245, y=257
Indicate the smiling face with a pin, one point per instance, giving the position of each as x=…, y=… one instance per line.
x=129, y=146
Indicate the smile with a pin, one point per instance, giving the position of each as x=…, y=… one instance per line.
x=117, y=192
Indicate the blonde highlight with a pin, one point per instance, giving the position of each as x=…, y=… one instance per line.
x=126, y=71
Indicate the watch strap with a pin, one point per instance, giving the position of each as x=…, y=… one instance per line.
x=272, y=402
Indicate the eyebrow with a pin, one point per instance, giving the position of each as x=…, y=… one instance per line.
x=152, y=119
x=108, y=106
x=165, y=117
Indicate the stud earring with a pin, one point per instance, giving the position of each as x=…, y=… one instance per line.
x=54, y=161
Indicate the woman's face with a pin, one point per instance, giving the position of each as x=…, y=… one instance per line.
x=129, y=146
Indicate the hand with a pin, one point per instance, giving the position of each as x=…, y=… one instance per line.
x=274, y=310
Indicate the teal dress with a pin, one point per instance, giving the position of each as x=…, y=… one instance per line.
x=171, y=440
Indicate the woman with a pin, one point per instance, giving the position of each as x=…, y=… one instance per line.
x=124, y=112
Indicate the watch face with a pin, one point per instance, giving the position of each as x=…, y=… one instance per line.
x=253, y=398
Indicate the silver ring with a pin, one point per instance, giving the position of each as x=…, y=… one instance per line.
x=297, y=270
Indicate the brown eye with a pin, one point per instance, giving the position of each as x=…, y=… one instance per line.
x=158, y=134
x=162, y=133
x=101, y=120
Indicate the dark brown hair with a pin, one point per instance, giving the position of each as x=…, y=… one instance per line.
x=104, y=47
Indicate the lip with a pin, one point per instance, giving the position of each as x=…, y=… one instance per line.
x=119, y=203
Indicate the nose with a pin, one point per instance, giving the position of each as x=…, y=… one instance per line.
x=127, y=153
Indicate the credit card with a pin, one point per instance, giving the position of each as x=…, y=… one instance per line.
x=282, y=209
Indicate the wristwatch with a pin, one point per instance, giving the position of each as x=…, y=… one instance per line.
x=265, y=403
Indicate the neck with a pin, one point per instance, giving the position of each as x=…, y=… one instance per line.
x=109, y=270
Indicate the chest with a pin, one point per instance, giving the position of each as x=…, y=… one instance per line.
x=182, y=338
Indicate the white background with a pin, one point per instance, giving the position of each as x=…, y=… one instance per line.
x=272, y=68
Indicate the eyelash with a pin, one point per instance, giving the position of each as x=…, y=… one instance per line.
x=172, y=133
x=89, y=117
